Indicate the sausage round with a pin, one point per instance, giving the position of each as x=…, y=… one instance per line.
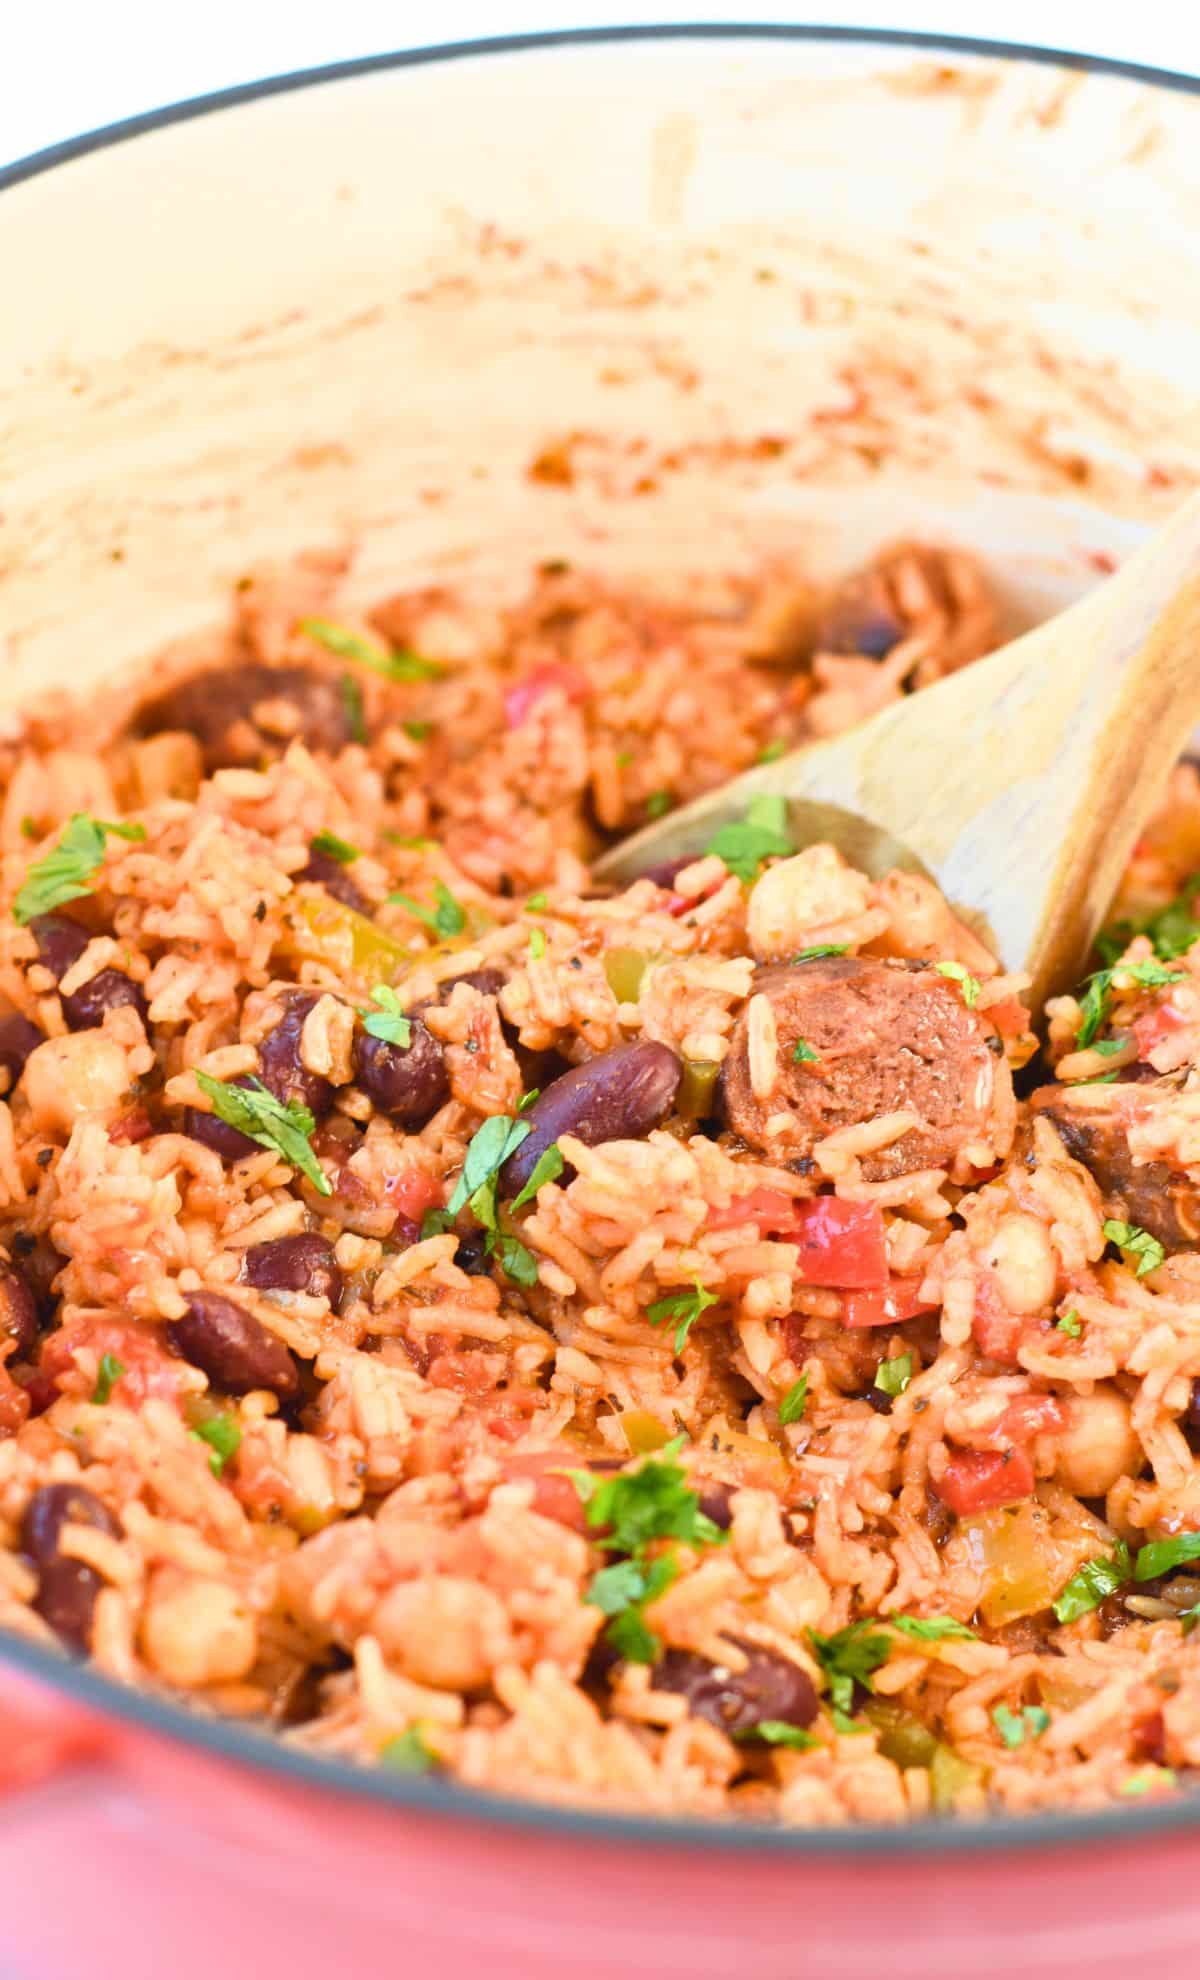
x=1153, y=1195
x=887, y=1037
x=218, y=708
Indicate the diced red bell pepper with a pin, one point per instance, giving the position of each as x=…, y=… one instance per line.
x=1156, y=1027
x=975, y=1480
x=554, y=1496
x=1009, y=1016
x=996, y=1332
x=770, y=1209
x=523, y=697
x=411, y=1193
x=841, y=1244
x=887, y=1306
x=1029, y=1416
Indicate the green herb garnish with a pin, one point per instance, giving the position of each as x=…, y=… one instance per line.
x=777, y=1732
x=66, y=873
x=970, y=985
x=548, y=1166
x=335, y=848
x=1172, y=930
x=489, y=1149
x=761, y=835
x=398, y=666
x=803, y=1054
x=223, y=1434
x=108, y=1375
x=389, y=1021
x=684, y=1307
x=408, y=1752
x=1015, y=1728
x=435, y=1223
x=625, y=1514
x=1152, y=1778
x=30, y=829
x=658, y=804
x=1070, y=1324
x=821, y=949
x=894, y=1376
x=537, y=945
x=1161, y=1556
x=446, y=918
x=527, y=1099
x=1092, y=1584
x=418, y=731
x=352, y=702
x=536, y=904
x=931, y=1629
x=1097, y=998
x=772, y=751
x=1133, y=1242
x=794, y=1404
x=255, y=1112
x=850, y=1656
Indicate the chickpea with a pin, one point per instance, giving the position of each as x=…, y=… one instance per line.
x=1022, y=1259
x=71, y=1077
x=443, y=1630
x=814, y=890
x=1098, y=1445
x=198, y=1631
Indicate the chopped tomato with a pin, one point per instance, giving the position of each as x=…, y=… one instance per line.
x=412, y=1193
x=133, y=1126
x=997, y=1332
x=146, y=1367
x=887, y=1306
x=770, y=1209
x=554, y=1496
x=841, y=1244
x=524, y=695
x=1156, y=1027
x=1029, y=1416
x=974, y=1480
x=1009, y=1016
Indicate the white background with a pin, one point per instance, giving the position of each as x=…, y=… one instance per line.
x=71, y=65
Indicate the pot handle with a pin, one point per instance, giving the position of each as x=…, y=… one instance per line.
x=42, y=1734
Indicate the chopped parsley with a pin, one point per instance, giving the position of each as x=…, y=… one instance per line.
x=487, y=1152
x=1152, y=1778
x=1097, y=998
x=1172, y=930
x=30, y=829
x=435, y=1223
x=1162, y=1556
x=893, y=1377
x=625, y=1513
x=398, y=666
x=536, y=904
x=66, y=872
x=108, y=1375
x=1070, y=1324
x=1015, y=1728
x=794, y=1404
x=418, y=731
x=388, y=1022
x=1093, y=1583
x=772, y=751
x=335, y=848
x=683, y=1307
x=778, y=1732
x=352, y=702
x=527, y=1099
x=762, y=834
x=445, y=918
x=408, y=1753
x=537, y=945
x=255, y=1111
x=658, y=804
x=931, y=1629
x=223, y=1434
x=821, y=949
x=548, y=1166
x=850, y=1656
x=803, y=1055
x=1133, y=1242
x=970, y=985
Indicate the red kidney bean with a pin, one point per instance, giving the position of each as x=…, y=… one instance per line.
x=716, y=1502
x=770, y=1687
x=471, y=1256
x=18, y=1038
x=67, y=1588
x=61, y=941
x=212, y=1132
x=667, y=871
x=39, y=1263
x=619, y=1096
x=323, y=870
x=18, y=1311
x=301, y=1264
x=488, y=982
x=218, y=709
x=407, y=1082
x=232, y=1347
x=280, y=1066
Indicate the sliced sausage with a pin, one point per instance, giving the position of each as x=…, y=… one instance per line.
x=219, y=709
x=887, y=1037
x=618, y=1096
x=1162, y=1200
x=770, y=1687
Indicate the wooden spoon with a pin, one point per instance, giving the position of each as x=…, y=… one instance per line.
x=1019, y=784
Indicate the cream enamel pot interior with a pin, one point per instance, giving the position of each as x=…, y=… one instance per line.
x=664, y=304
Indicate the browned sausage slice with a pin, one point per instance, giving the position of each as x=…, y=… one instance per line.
x=886, y=1037
x=218, y=708
x=1162, y=1200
